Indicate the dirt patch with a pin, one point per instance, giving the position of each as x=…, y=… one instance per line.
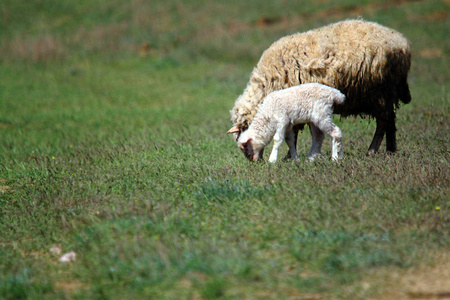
x=69, y=288
x=437, y=16
x=35, y=49
x=431, y=53
x=4, y=188
x=426, y=282
x=337, y=12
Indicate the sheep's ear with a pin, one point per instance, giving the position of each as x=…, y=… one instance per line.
x=234, y=129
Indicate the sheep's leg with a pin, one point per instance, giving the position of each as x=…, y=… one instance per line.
x=295, y=129
x=335, y=133
x=277, y=142
x=385, y=125
x=317, y=140
x=291, y=142
x=391, y=145
x=378, y=137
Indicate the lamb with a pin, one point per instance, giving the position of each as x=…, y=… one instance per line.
x=367, y=62
x=306, y=103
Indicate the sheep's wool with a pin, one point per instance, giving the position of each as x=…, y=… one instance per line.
x=367, y=62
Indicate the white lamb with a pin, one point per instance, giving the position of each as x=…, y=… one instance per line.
x=311, y=103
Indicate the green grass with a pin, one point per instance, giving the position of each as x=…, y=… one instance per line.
x=122, y=157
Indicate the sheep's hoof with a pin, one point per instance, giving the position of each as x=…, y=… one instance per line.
x=287, y=157
x=313, y=157
x=371, y=152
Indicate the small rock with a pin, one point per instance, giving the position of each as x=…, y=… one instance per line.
x=68, y=257
x=56, y=250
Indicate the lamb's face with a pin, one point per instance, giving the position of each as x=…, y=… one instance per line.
x=246, y=143
x=247, y=147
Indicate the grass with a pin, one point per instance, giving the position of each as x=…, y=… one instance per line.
x=117, y=150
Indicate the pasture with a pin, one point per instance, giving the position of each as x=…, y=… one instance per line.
x=113, y=117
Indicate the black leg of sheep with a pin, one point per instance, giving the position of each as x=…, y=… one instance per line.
x=296, y=129
x=385, y=125
x=378, y=137
x=391, y=142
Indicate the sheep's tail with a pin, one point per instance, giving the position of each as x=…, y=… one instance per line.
x=405, y=95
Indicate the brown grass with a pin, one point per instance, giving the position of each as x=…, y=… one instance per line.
x=425, y=282
x=69, y=288
x=159, y=21
x=35, y=49
x=4, y=188
x=105, y=37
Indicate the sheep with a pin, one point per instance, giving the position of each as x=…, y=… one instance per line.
x=306, y=103
x=367, y=62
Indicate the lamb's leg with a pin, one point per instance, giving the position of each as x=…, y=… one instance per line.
x=337, y=151
x=335, y=133
x=295, y=129
x=291, y=142
x=317, y=140
x=277, y=142
x=378, y=137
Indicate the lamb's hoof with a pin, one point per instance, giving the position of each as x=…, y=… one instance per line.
x=338, y=158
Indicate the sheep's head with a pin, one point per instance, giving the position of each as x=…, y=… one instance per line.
x=236, y=130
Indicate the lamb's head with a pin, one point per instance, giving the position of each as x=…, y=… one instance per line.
x=249, y=146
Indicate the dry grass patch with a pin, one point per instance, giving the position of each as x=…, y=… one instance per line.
x=423, y=282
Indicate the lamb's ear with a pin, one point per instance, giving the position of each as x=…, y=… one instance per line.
x=247, y=143
x=234, y=129
x=245, y=140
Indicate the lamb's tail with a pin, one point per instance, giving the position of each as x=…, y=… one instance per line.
x=339, y=98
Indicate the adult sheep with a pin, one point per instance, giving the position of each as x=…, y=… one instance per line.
x=367, y=62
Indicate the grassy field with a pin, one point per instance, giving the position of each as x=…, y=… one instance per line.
x=112, y=145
